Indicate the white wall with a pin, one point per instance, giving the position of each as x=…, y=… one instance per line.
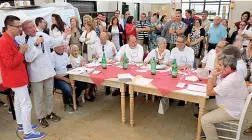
x=106, y=6
x=145, y=8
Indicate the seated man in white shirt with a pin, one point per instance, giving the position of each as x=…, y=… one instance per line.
x=104, y=45
x=208, y=62
x=183, y=54
x=231, y=93
x=134, y=51
x=61, y=80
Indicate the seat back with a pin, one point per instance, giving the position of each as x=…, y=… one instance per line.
x=238, y=135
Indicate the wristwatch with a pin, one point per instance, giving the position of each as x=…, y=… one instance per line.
x=210, y=77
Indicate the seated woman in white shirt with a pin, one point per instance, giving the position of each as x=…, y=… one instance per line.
x=134, y=51
x=61, y=80
x=230, y=91
x=184, y=55
x=161, y=54
x=77, y=60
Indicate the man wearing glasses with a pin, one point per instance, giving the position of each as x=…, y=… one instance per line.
x=117, y=14
x=184, y=56
x=15, y=76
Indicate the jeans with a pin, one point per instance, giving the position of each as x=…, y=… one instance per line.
x=67, y=89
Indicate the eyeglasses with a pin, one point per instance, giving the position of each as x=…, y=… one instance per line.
x=117, y=13
x=179, y=42
x=17, y=26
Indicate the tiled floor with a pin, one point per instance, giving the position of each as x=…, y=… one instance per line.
x=101, y=120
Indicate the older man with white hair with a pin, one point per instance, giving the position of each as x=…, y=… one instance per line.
x=104, y=46
x=134, y=51
x=216, y=33
x=40, y=70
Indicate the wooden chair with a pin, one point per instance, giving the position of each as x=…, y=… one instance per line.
x=228, y=126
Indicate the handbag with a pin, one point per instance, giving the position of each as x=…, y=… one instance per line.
x=85, y=45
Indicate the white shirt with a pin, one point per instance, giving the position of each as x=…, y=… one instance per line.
x=231, y=93
x=121, y=22
x=247, y=32
x=55, y=33
x=183, y=57
x=39, y=66
x=241, y=68
x=134, y=55
x=108, y=50
x=60, y=62
x=209, y=60
x=165, y=56
x=75, y=61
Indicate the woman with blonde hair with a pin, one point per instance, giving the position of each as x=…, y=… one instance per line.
x=75, y=32
x=88, y=39
x=76, y=60
x=86, y=19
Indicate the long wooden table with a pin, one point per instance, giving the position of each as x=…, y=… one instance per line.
x=183, y=94
x=112, y=82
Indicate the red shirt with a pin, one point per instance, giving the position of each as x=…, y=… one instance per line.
x=196, y=17
x=129, y=31
x=13, y=68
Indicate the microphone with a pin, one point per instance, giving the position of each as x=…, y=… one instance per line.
x=26, y=38
x=42, y=45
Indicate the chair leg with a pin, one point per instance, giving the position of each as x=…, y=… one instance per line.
x=153, y=98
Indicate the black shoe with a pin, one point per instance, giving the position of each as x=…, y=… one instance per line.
x=196, y=116
x=91, y=99
x=107, y=90
x=202, y=134
x=53, y=117
x=116, y=92
x=181, y=104
x=43, y=122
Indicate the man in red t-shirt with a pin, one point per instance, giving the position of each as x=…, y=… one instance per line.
x=14, y=76
x=193, y=14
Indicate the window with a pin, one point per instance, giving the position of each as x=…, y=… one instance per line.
x=214, y=7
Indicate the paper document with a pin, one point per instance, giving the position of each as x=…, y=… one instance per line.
x=89, y=70
x=93, y=64
x=191, y=78
x=76, y=71
x=181, y=85
x=202, y=73
x=125, y=77
x=96, y=72
x=139, y=80
x=196, y=88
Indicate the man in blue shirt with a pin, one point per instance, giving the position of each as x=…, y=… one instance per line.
x=189, y=21
x=216, y=34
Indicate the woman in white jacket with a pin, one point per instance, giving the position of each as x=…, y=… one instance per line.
x=58, y=29
x=88, y=38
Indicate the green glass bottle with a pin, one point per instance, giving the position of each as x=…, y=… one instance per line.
x=174, y=69
x=125, y=61
x=153, y=66
x=104, y=62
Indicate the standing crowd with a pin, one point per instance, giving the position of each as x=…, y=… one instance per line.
x=31, y=54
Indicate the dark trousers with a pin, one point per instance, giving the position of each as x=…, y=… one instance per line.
x=211, y=46
x=67, y=89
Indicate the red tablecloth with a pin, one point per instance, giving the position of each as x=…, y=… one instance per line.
x=162, y=80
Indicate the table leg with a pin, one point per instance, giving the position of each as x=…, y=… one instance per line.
x=122, y=89
x=73, y=91
x=131, y=92
x=201, y=111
